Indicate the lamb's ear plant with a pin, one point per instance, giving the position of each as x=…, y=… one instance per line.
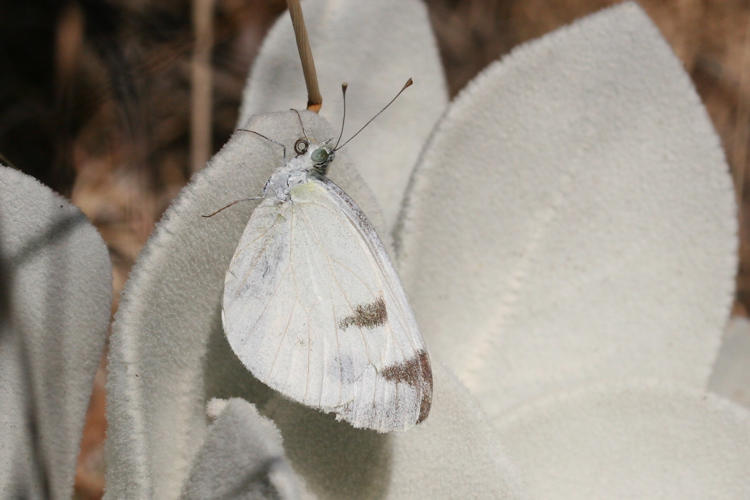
x=604, y=235
x=731, y=373
x=640, y=439
x=169, y=357
x=242, y=457
x=55, y=299
x=569, y=226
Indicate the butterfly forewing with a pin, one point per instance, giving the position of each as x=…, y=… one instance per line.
x=313, y=307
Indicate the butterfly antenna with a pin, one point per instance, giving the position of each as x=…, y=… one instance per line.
x=408, y=83
x=283, y=148
x=233, y=203
x=344, y=86
x=299, y=117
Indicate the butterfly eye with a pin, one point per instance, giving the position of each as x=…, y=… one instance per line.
x=300, y=147
x=320, y=155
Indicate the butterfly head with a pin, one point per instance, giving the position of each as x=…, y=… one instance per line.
x=321, y=155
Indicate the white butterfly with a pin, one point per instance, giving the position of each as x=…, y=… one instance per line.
x=313, y=306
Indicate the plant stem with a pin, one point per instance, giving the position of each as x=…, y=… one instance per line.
x=200, y=93
x=314, y=99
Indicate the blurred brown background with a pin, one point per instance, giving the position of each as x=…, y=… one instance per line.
x=96, y=100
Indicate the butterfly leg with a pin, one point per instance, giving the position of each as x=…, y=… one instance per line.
x=283, y=148
x=233, y=203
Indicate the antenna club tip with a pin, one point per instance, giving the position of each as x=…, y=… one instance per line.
x=337, y=147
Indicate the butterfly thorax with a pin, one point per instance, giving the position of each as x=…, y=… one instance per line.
x=300, y=169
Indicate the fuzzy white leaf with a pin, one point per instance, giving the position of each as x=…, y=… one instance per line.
x=731, y=373
x=640, y=440
x=21, y=475
x=168, y=353
x=242, y=457
x=573, y=218
x=54, y=312
x=375, y=47
x=455, y=452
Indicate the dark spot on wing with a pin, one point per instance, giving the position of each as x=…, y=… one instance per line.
x=366, y=315
x=266, y=269
x=271, y=258
x=417, y=373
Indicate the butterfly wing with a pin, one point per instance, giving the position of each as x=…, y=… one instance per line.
x=314, y=309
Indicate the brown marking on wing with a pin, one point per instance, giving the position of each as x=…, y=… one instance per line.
x=366, y=315
x=417, y=373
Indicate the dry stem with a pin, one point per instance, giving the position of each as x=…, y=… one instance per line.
x=314, y=99
x=200, y=107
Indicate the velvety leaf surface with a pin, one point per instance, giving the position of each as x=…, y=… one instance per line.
x=54, y=311
x=573, y=219
x=169, y=356
x=731, y=374
x=242, y=457
x=639, y=440
x=455, y=452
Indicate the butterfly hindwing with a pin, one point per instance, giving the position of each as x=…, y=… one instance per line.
x=314, y=308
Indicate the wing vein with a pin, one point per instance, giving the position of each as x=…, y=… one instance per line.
x=238, y=251
x=383, y=274
x=281, y=340
x=338, y=284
